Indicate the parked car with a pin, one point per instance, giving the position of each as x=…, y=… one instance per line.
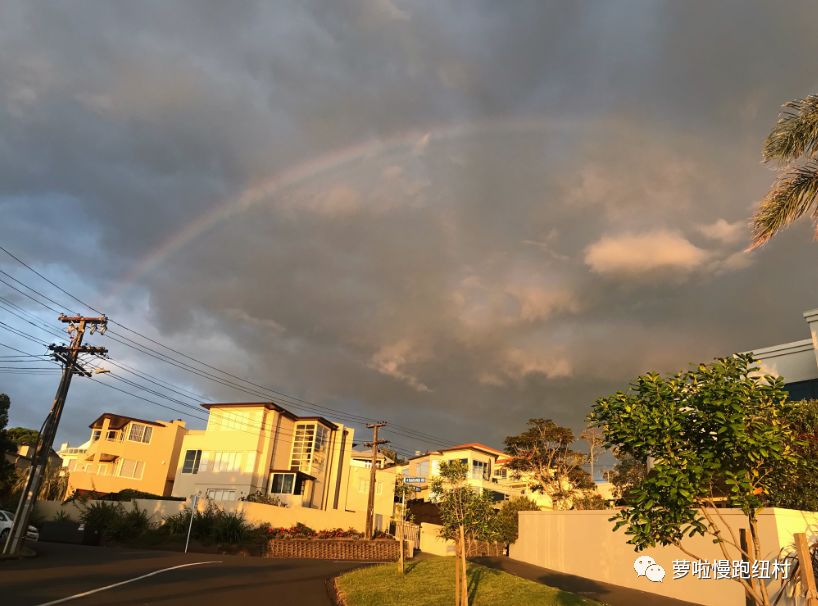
x=6, y=518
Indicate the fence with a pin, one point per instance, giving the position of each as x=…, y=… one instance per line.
x=254, y=513
x=583, y=543
x=378, y=550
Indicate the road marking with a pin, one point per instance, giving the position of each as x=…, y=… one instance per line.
x=144, y=576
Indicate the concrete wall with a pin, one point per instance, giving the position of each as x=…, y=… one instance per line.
x=430, y=541
x=582, y=543
x=254, y=513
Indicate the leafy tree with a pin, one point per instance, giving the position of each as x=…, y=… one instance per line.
x=6, y=446
x=718, y=431
x=793, y=143
x=800, y=490
x=508, y=524
x=23, y=436
x=544, y=452
x=467, y=516
x=628, y=472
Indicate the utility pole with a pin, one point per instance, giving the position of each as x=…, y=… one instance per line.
x=69, y=356
x=370, y=506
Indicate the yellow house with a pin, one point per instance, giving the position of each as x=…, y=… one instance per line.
x=251, y=447
x=480, y=460
x=126, y=452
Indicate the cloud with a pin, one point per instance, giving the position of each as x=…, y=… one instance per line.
x=722, y=231
x=516, y=365
x=504, y=251
x=635, y=254
x=391, y=360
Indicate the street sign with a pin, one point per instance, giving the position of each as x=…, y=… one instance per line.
x=414, y=480
x=415, y=488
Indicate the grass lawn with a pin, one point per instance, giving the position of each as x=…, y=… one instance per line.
x=430, y=582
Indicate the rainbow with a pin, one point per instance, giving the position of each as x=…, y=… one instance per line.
x=311, y=169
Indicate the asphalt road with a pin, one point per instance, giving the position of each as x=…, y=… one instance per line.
x=61, y=571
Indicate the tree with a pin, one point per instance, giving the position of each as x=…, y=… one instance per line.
x=23, y=436
x=595, y=440
x=627, y=472
x=718, y=431
x=467, y=516
x=508, y=523
x=6, y=446
x=800, y=490
x=544, y=452
x=793, y=143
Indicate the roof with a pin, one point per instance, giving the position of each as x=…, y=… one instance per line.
x=474, y=446
x=270, y=406
x=120, y=421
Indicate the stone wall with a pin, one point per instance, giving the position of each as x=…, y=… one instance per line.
x=380, y=550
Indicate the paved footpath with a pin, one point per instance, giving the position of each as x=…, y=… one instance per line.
x=614, y=595
x=62, y=571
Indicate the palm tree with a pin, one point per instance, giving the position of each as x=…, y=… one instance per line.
x=793, y=143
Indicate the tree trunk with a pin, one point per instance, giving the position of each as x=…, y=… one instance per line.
x=457, y=572
x=464, y=579
x=762, y=586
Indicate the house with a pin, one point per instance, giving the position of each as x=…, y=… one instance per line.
x=261, y=447
x=127, y=453
x=70, y=453
x=520, y=484
x=480, y=461
x=796, y=362
x=363, y=458
x=22, y=458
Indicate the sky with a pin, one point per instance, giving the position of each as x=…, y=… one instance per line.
x=454, y=216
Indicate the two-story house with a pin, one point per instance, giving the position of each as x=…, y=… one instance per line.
x=250, y=447
x=127, y=453
x=480, y=461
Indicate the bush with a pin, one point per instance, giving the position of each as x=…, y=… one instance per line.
x=230, y=527
x=129, y=525
x=177, y=523
x=114, y=522
x=99, y=516
x=266, y=499
x=61, y=516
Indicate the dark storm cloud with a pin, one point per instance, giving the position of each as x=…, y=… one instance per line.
x=569, y=211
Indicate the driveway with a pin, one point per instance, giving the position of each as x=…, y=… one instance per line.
x=161, y=577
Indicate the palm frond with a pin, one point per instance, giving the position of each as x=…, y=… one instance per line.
x=790, y=198
x=795, y=132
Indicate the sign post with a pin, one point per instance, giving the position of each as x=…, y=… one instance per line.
x=194, y=500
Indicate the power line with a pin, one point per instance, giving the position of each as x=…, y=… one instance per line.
x=408, y=432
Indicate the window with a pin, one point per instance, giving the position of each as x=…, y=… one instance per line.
x=227, y=461
x=95, y=435
x=422, y=469
x=192, y=460
x=130, y=468
x=282, y=483
x=233, y=420
x=302, y=447
x=140, y=433
x=113, y=435
x=220, y=494
x=479, y=470
x=309, y=448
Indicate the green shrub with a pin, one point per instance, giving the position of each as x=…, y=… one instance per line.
x=61, y=516
x=230, y=527
x=266, y=499
x=178, y=523
x=129, y=524
x=99, y=516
